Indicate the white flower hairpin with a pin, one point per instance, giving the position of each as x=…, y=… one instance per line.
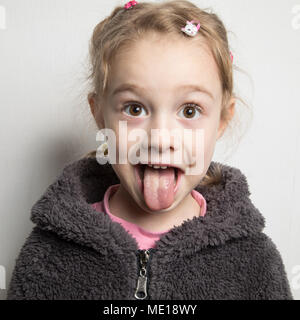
x=190, y=29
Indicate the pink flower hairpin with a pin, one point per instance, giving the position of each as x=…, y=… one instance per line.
x=130, y=4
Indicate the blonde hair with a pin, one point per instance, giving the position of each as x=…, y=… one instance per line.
x=122, y=28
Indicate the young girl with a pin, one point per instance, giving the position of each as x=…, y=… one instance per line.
x=153, y=229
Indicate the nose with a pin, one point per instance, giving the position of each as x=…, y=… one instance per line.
x=160, y=141
x=160, y=136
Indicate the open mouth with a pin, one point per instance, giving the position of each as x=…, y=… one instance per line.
x=141, y=169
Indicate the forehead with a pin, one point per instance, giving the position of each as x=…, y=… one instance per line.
x=160, y=63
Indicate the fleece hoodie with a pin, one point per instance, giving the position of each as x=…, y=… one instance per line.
x=74, y=252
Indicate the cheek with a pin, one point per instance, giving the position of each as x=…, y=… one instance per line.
x=204, y=144
x=210, y=142
x=125, y=149
x=208, y=130
x=209, y=147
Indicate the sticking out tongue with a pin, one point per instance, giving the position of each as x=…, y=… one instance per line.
x=159, y=187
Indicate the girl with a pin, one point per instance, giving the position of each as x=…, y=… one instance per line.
x=153, y=228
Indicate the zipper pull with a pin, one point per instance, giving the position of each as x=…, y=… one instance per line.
x=141, y=289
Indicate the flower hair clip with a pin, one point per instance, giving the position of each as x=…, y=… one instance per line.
x=190, y=29
x=130, y=4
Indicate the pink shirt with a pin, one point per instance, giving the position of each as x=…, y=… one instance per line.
x=145, y=239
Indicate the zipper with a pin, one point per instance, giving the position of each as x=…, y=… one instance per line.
x=144, y=257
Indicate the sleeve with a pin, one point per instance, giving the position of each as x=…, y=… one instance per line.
x=271, y=278
x=25, y=282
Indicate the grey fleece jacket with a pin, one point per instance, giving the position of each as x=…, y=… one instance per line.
x=74, y=252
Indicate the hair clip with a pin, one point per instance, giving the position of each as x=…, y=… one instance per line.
x=231, y=56
x=190, y=29
x=130, y=4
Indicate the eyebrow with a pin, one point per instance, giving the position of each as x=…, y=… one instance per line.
x=135, y=88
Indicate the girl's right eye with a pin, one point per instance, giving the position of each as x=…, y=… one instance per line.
x=134, y=110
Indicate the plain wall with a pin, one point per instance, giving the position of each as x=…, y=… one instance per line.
x=45, y=120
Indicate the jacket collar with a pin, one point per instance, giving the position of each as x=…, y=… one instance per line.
x=65, y=209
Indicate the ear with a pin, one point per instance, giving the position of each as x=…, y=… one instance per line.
x=228, y=117
x=96, y=110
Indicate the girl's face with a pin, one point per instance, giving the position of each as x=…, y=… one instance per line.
x=160, y=71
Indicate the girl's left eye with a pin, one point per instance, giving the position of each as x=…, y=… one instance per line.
x=134, y=110
x=190, y=110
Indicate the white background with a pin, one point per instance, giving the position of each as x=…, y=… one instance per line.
x=45, y=120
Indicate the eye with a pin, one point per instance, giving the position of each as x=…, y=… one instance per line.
x=191, y=111
x=134, y=109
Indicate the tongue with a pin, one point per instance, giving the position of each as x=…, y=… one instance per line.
x=159, y=187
